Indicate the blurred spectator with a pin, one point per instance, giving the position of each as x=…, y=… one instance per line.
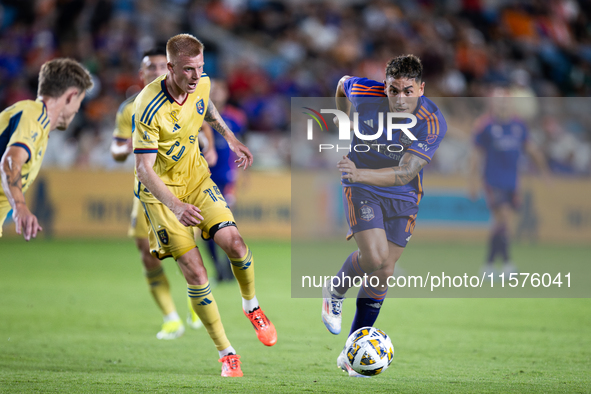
x=271, y=50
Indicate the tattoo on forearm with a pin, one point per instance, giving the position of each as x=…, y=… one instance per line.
x=212, y=116
x=409, y=168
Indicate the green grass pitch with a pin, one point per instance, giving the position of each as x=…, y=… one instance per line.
x=76, y=316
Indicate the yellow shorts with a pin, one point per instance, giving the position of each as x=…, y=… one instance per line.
x=4, y=209
x=138, y=228
x=168, y=237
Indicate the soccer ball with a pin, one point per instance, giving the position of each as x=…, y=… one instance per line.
x=369, y=351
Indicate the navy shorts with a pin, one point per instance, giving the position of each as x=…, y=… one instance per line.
x=366, y=210
x=496, y=197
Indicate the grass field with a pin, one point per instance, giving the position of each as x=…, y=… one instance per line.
x=76, y=316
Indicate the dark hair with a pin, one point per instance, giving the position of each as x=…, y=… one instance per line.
x=405, y=66
x=156, y=51
x=57, y=75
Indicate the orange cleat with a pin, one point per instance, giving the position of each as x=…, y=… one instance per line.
x=262, y=325
x=231, y=366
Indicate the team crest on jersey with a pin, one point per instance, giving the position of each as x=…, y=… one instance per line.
x=163, y=235
x=200, y=107
x=366, y=213
x=404, y=140
x=431, y=138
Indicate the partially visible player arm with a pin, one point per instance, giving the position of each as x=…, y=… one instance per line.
x=475, y=168
x=10, y=170
x=213, y=117
x=343, y=103
x=121, y=149
x=209, y=152
x=187, y=214
x=534, y=152
x=409, y=167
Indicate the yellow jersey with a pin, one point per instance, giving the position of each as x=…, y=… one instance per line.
x=163, y=126
x=123, y=125
x=25, y=124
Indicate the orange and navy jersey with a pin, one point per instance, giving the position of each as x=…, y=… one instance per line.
x=26, y=125
x=371, y=104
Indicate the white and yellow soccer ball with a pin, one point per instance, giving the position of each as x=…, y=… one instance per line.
x=369, y=351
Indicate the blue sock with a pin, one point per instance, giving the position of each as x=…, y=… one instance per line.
x=369, y=303
x=344, y=278
x=504, y=244
x=495, y=245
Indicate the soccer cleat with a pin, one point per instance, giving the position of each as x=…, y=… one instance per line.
x=193, y=320
x=171, y=330
x=331, y=311
x=508, y=269
x=343, y=363
x=231, y=366
x=262, y=325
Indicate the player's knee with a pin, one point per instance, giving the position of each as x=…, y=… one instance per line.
x=231, y=242
x=236, y=247
x=374, y=260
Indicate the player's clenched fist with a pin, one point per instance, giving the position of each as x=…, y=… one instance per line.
x=187, y=214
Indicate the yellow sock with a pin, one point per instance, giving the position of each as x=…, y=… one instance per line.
x=160, y=290
x=243, y=269
x=207, y=309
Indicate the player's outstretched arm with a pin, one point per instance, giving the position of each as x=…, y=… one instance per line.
x=213, y=117
x=10, y=170
x=187, y=214
x=409, y=167
x=121, y=149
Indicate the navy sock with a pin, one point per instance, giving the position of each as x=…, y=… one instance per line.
x=350, y=269
x=504, y=245
x=369, y=303
x=495, y=245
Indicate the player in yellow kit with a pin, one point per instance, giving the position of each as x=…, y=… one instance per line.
x=153, y=65
x=24, y=130
x=177, y=193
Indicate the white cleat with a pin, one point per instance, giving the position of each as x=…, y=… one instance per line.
x=194, y=324
x=171, y=330
x=508, y=269
x=343, y=363
x=331, y=311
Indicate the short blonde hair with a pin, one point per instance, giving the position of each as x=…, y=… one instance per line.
x=183, y=45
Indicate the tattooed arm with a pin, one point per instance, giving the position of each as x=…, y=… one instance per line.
x=409, y=167
x=10, y=171
x=213, y=117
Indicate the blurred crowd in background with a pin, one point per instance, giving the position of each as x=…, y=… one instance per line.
x=270, y=51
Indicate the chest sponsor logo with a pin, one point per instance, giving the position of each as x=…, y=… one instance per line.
x=200, y=107
x=366, y=213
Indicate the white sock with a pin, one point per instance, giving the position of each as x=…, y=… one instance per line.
x=171, y=316
x=250, y=305
x=226, y=351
